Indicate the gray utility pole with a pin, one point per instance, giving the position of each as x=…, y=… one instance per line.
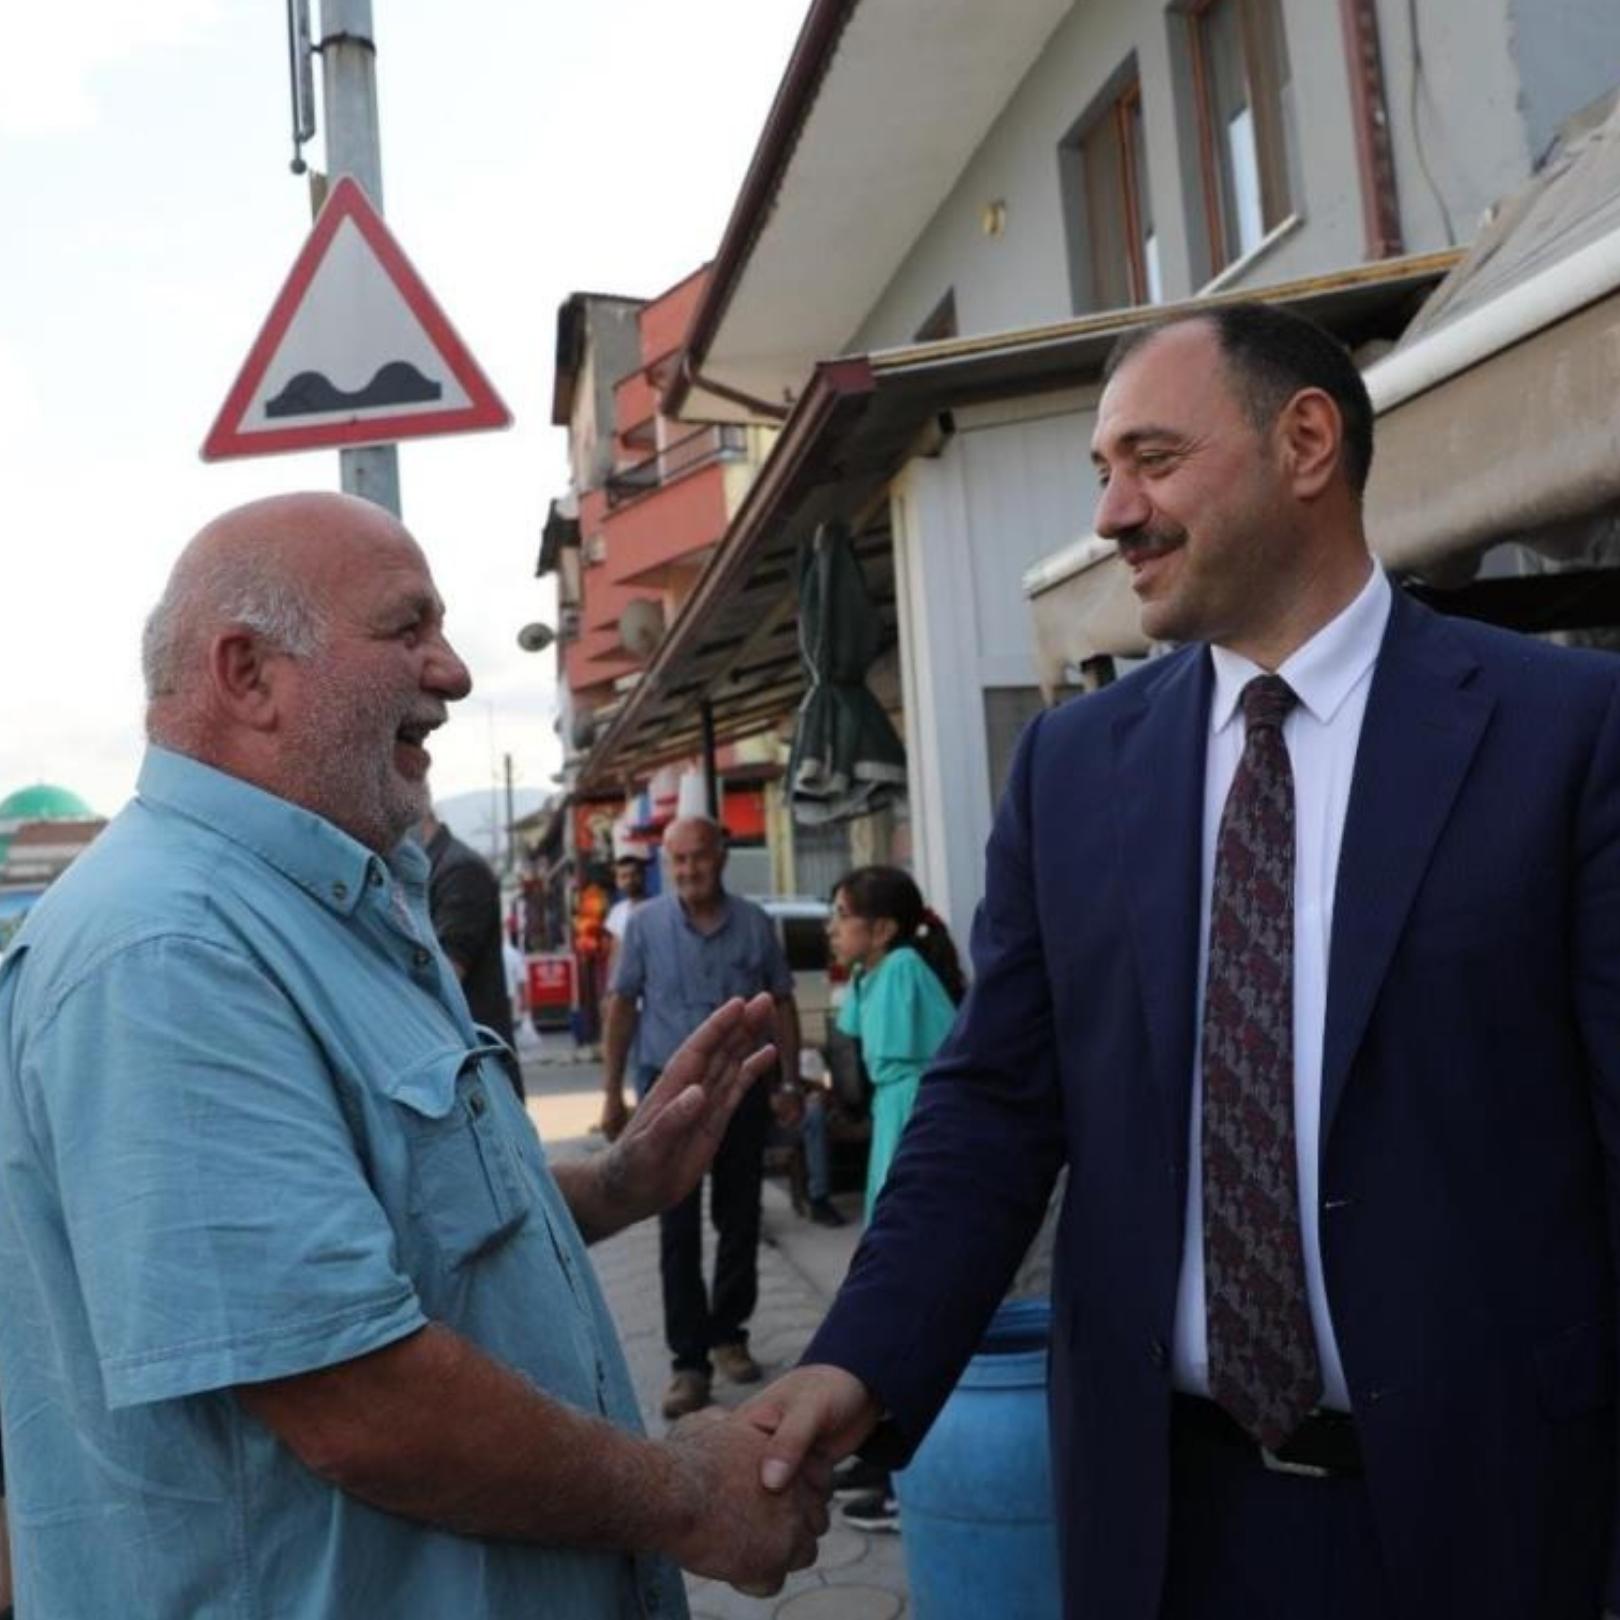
x=349, y=99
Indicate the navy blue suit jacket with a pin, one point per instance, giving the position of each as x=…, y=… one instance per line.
x=1470, y=1131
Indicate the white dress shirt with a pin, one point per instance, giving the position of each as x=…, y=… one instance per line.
x=1331, y=675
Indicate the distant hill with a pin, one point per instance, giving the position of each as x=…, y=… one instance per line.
x=479, y=818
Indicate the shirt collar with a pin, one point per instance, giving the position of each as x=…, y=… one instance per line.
x=1323, y=672
x=304, y=847
x=686, y=916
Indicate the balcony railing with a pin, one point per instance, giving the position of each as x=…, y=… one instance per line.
x=723, y=442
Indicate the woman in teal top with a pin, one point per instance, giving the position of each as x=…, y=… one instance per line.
x=902, y=1001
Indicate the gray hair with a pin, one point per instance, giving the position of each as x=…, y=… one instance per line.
x=215, y=590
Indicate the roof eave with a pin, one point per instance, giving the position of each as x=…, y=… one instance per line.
x=795, y=97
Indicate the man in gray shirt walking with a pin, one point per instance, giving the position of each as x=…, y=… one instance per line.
x=684, y=954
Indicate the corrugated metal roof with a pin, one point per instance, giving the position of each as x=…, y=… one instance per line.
x=1572, y=201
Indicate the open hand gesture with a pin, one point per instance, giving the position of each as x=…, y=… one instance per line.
x=671, y=1138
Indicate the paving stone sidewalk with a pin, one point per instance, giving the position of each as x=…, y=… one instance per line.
x=858, y=1576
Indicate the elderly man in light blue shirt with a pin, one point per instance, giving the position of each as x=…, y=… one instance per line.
x=297, y=1318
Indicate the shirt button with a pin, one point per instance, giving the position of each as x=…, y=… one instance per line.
x=1157, y=1353
x=375, y=879
x=476, y=1103
x=340, y=890
x=421, y=957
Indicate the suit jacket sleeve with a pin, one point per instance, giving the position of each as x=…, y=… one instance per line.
x=976, y=1165
x=1597, y=982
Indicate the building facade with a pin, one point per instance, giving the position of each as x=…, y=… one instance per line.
x=946, y=195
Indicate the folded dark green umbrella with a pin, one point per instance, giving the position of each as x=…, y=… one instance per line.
x=847, y=759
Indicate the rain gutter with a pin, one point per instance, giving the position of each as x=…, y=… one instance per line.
x=1588, y=274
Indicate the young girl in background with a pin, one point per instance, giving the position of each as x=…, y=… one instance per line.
x=905, y=983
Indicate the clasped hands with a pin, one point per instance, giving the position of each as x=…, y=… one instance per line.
x=753, y=1486
x=759, y=1478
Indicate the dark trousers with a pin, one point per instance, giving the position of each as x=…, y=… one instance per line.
x=1250, y=1544
x=693, y=1320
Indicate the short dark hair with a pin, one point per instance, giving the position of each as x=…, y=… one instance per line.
x=1271, y=354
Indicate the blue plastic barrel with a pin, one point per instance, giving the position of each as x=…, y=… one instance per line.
x=976, y=1510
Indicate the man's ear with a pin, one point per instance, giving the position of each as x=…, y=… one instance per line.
x=241, y=674
x=1311, y=439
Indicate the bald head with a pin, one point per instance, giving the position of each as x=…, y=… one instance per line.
x=259, y=566
x=699, y=830
x=299, y=644
x=695, y=852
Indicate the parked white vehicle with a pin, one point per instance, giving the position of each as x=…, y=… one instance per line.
x=801, y=925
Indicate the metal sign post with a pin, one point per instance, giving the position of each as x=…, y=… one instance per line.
x=353, y=146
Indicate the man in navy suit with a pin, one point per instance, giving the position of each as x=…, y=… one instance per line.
x=1300, y=946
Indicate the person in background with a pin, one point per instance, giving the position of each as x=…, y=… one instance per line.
x=630, y=879
x=800, y=1110
x=906, y=981
x=683, y=954
x=517, y=980
x=464, y=900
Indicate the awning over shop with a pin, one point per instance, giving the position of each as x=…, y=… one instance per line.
x=1500, y=409
x=1084, y=609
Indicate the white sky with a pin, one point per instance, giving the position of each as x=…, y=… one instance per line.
x=530, y=148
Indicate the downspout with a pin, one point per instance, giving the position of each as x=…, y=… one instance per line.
x=1375, y=156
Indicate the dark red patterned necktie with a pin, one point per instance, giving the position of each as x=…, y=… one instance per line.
x=1263, y=1366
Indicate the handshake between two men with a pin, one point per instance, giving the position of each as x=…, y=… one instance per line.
x=753, y=1484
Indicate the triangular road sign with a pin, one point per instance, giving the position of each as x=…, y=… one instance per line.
x=354, y=351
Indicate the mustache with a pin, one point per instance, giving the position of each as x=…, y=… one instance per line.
x=1151, y=537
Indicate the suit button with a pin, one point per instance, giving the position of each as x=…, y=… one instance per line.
x=1158, y=1354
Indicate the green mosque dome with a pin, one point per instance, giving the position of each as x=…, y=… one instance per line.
x=44, y=802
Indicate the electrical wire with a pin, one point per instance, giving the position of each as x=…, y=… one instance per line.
x=1417, y=132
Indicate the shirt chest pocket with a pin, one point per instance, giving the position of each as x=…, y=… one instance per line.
x=735, y=973
x=465, y=1188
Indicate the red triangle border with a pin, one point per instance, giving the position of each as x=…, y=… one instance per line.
x=348, y=200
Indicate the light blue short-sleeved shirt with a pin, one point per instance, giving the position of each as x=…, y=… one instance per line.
x=682, y=974
x=248, y=1129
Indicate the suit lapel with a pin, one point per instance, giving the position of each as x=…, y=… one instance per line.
x=1422, y=726
x=1159, y=753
